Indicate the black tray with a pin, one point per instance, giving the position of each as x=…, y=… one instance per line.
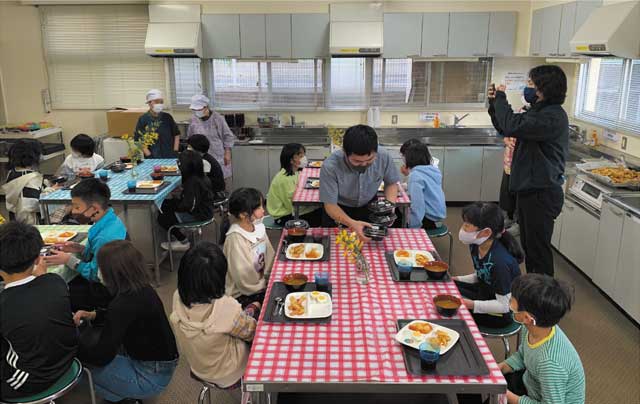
x=307, y=184
x=171, y=173
x=279, y=289
x=79, y=237
x=325, y=241
x=464, y=359
x=146, y=191
x=418, y=274
x=70, y=184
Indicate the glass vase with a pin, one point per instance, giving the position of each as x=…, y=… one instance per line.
x=362, y=270
x=134, y=169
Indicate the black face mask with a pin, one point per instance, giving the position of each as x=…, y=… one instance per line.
x=82, y=219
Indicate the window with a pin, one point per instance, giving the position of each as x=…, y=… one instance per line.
x=186, y=80
x=95, y=56
x=609, y=93
x=347, y=88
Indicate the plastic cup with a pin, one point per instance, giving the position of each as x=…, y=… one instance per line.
x=131, y=185
x=157, y=168
x=404, y=270
x=103, y=174
x=322, y=281
x=429, y=356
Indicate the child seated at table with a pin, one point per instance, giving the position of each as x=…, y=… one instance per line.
x=211, y=329
x=38, y=339
x=496, y=255
x=424, y=187
x=284, y=184
x=82, y=158
x=90, y=204
x=546, y=368
x=247, y=247
x=195, y=203
x=212, y=168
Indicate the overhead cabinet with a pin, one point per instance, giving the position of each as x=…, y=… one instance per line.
x=220, y=36
x=278, y=38
x=309, y=36
x=502, y=34
x=402, y=35
x=252, y=36
x=468, y=34
x=435, y=34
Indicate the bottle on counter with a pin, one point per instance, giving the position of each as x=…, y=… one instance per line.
x=594, y=138
x=436, y=120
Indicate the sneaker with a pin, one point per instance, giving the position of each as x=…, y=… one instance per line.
x=176, y=245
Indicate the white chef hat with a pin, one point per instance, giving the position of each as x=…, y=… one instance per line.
x=199, y=101
x=154, y=94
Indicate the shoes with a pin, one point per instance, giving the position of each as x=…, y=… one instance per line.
x=176, y=245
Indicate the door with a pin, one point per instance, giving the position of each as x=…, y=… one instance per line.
x=502, y=33
x=579, y=237
x=220, y=36
x=278, y=35
x=435, y=34
x=491, y=173
x=251, y=167
x=462, y=173
x=402, y=35
x=567, y=28
x=609, y=237
x=309, y=36
x=252, y=36
x=536, y=33
x=628, y=275
x=551, y=19
x=468, y=34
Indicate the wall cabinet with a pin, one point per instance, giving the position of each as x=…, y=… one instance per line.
x=278, y=35
x=435, y=34
x=535, y=45
x=402, y=35
x=579, y=236
x=609, y=238
x=502, y=33
x=552, y=18
x=462, y=173
x=492, y=168
x=627, y=280
x=221, y=36
x=309, y=36
x=468, y=34
x=252, y=36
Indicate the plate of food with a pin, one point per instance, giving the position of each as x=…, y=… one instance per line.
x=57, y=237
x=315, y=164
x=169, y=169
x=419, y=331
x=305, y=251
x=149, y=184
x=417, y=258
x=308, y=305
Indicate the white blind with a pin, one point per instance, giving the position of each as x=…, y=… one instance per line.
x=186, y=80
x=95, y=56
x=348, y=83
x=609, y=93
x=459, y=82
x=398, y=83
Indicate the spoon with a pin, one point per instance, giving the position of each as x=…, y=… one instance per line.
x=277, y=306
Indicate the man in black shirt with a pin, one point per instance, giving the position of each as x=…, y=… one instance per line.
x=155, y=120
x=38, y=339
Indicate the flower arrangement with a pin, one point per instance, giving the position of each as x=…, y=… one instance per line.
x=144, y=140
x=352, y=247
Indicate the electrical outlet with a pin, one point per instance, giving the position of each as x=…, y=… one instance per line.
x=623, y=144
x=394, y=119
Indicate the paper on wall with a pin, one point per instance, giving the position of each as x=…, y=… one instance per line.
x=515, y=81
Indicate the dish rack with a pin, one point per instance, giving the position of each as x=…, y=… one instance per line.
x=586, y=168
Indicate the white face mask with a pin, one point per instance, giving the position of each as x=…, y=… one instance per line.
x=304, y=162
x=157, y=108
x=199, y=113
x=257, y=221
x=469, y=237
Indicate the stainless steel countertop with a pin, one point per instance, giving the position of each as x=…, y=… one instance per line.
x=629, y=201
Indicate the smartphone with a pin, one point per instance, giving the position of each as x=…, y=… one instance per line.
x=46, y=251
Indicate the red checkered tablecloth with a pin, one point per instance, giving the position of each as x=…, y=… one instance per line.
x=358, y=345
x=303, y=196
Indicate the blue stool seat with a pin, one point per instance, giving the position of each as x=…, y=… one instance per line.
x=270, y=223
x=503, y=333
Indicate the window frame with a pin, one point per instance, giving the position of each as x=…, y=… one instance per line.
x=171, y=84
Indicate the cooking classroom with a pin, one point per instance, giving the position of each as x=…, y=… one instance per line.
x=312, y=201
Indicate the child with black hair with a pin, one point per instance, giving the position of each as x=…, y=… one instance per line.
x=496, y=256
x=247, y=247
x=546, y=369
x=284, y=184
x=82, y=158
x=89, y=204
x=212, y=168
x=38, y=339
x=424, y=187
x=195, y=203
x=212, y=329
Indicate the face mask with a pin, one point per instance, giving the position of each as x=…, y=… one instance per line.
x=257, y=221
x=469, y=237
x=157, y=108
x=81, y=218
x=533, y=320
x=530, y=95
x=200, y=113
x=304, y=162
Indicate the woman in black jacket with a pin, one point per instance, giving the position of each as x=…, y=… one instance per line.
x=195, y=203
x=537, y=168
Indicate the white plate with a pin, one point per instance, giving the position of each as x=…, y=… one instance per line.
x=312, y=308
x=412, y=257
x=50, y=236
x=413, y=339
x=148, y=184
x=314, y=184
x=307, y=247
x=315, y=164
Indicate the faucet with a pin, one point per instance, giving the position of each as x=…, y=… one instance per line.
x=456, y=119
x=293, y=121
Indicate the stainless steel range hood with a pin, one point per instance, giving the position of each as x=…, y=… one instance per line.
x=174, y=31
x=356, y=29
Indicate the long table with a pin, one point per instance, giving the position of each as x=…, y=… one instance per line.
x=62, y=270
x=356, y=352
x=311, y=197
x=119, y=199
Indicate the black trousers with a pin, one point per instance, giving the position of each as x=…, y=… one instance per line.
x=537, y=212
x=168, y=218
x=472, y=291
x=507, y=199
x=360, y=213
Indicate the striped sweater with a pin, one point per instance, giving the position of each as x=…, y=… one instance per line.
x=553, y=370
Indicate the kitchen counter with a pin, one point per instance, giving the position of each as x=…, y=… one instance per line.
x=629, y=201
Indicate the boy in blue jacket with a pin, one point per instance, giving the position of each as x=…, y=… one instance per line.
x=90, y=204
x=424, y=187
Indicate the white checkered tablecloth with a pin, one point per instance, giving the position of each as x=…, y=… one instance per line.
x=358, y=344
x=303, y=196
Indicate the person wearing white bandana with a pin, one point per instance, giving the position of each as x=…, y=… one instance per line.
x=156, y=120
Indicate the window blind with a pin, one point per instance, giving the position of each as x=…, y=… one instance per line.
x=459, y=83
x=347, y=88
x=186, y=80
x=95, y=56
x=398, y=83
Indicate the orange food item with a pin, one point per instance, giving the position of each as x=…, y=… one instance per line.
x=297, y=251
x=441, y=339
x=65, y=234
x=424, y=328
x=312, y=254
x=296, y=306
x=402, y=253
x=421, y=259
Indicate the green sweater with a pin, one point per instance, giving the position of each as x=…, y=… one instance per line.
x=553, y=370
x=280, y=197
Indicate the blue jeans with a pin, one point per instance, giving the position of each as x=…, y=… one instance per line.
x=128, y=378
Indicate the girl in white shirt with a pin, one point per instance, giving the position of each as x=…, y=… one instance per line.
x=82, y=158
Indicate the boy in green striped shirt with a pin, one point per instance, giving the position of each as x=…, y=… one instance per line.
x=546, y=369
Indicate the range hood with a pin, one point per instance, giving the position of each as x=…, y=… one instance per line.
x=612, y=30
x=174, y=31
x=356, y=29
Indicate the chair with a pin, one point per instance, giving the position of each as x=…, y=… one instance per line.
x=193, y=228
x=65, y=384
x=503, y=333
x=208, y=387
x=221, y=206
x=441, y=231
x=270, y=223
